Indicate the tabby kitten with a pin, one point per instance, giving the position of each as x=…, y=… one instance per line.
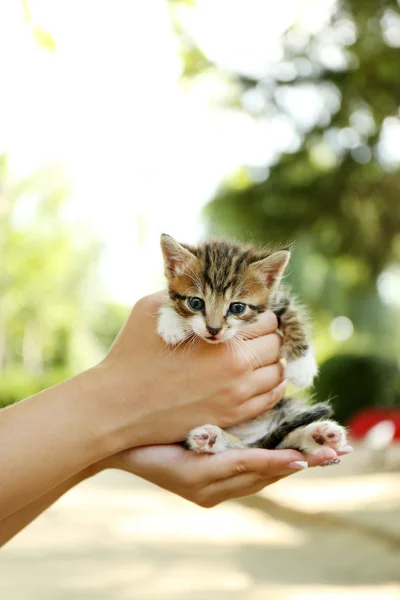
x=215, y=291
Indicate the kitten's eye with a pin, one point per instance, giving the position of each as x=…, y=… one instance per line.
x=237, y=308
x=195, y=303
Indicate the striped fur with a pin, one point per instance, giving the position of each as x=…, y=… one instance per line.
x=217, y=275
x=221, y=273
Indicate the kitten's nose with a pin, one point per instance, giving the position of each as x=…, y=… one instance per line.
x=213, y=330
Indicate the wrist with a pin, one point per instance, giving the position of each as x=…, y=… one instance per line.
x=64, y=427
x=116, y=421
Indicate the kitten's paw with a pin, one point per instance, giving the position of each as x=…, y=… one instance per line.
x=328, y=434
x=170, y=326
x=302, y=371
x=206, y=439
x=171, y=338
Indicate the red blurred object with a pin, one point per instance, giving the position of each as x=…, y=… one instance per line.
x=364, y=420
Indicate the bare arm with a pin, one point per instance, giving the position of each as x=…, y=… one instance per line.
x=206, y=480
x=141, y=394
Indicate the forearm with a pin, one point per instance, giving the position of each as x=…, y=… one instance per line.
x=49, y=438
x=127, y=401
x=18, y=520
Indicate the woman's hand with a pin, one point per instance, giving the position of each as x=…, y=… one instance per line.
x=208, y=479
x=204, y=479
x=155, y=394
x=142, y=393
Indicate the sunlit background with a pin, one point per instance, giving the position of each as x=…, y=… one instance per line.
x=120, y=120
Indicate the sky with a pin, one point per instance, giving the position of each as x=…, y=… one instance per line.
x=142, y=154
x=108, y=105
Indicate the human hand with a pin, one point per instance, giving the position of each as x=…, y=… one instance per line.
x=151, y=393
x=208, y=479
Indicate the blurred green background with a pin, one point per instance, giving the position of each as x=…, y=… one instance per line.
x=334, y=190
x=325, y=112
x=52, y=322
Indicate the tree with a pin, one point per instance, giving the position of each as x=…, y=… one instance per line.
x=46, y=265
x=335, y=190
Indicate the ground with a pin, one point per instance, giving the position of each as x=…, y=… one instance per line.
x=324, y=534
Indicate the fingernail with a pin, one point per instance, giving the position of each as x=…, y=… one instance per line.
x=332, y=461
x=346, y=449
x=298, y=464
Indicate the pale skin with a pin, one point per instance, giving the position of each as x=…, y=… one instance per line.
x=143, y=394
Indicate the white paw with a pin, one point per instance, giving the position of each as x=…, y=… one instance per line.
x=206, y=439
x=326, y=434
x=170, y=326
x=302, y=371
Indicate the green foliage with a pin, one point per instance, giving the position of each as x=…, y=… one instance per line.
x=17, y=383
x=336, y=187
x=355, y=382
x=193, y=59
x=337, y=175
x=53, y=320
x=108, y=323
x=47, y=293
x=42, y=37
x=333, y=190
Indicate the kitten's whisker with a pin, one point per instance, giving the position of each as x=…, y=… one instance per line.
x=250, y=350
x=246, y=336
x=171, y=349
x=185, y=339
x=190, y=340
x=150, y=315
x=232, y=347
x=240, y=351
x=244, y=350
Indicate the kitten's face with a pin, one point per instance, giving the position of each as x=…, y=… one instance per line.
x=220, y=288
x=216, y=316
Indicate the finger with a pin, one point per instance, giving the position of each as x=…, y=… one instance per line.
x=267, y=463
x=234, y=487
x=238, y=486
x=254, y=407
x=151, y=303
x=265, y=379
x=146, y=310
x=315, y=460
x=264, y=350
x=266, y=323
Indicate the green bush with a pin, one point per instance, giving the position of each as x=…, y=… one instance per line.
x=17, y=384
x=354, y=382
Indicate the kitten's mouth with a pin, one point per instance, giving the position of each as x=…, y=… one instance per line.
x=213, y=339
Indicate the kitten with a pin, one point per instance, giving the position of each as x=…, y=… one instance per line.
x=215, y=291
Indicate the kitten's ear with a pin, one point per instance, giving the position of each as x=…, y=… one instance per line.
x=272, y=267
x=175, y=255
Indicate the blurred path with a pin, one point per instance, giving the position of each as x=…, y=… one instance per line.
x=119, y=538
x=352, y=495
